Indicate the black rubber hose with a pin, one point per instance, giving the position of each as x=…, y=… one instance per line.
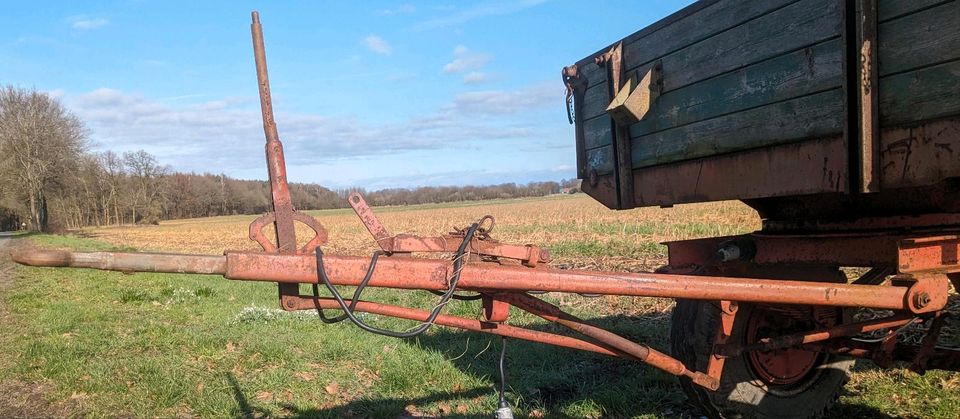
x=356, y=294
x=447, y=296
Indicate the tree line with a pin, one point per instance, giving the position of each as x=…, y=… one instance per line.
x=50, y=180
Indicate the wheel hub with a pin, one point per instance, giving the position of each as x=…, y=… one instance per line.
x=787, y=366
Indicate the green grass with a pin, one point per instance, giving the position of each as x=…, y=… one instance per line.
x=162, y=345
x=157, y=345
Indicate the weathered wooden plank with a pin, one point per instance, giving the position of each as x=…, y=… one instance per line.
x=813, y=69
x=696, y=27
x=814, y=116
x=660, y=24
x=597, y=132
x=595, y=74
x=798, y=25
x=600, y=160
x=923, y=38
x=922, y=155
x=919, y=95
x=598, y=98
x=595, y=102
x=865, y=165
x=698, y=21
x=808, y=167
x=892, y=9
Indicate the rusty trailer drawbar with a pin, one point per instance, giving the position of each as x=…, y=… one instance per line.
x=767, y=313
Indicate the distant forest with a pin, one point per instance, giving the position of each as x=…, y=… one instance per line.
x=50, y=181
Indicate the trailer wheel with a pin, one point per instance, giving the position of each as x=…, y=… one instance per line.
x=779, y=384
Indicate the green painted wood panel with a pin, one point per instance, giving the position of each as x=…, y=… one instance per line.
x=920, y=95
x=892, y=9
x=601, y=160
x=696, y=27
x=796, y=26
x=813, y=69
x=595, y=74
x=814, y=116
x=597, y=132
x=927, y=37
x=595, y=102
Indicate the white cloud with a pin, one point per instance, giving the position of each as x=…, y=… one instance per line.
x=84, y=22
x=377, y=44
x=403, y=9
x=226, y=134
x=505, y=102
x=465, y=60
x=477, y=11
x=475, y=77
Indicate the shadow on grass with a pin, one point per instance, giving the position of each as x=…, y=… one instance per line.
x=551, y=381
x=244, y=408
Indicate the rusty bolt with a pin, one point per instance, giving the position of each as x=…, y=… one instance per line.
x=921, y=299
x=291, y=304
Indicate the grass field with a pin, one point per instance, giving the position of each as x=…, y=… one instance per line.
x=151, y=345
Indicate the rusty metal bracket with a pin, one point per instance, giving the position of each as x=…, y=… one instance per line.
x=380, y=234
x=636, y=97
x=612, y=60
x=257, y=226
x=926, y=293
x=728, y=314
x=929, y=254
x=494, y=309
x=530, y=255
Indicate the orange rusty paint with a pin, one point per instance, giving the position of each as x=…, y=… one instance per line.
x=432, y=274
x=529, y=254
x=380, y=234
x=929, y=254
x=495, y=310
x=728, y=314
x=310, y=303
x=641, y=352
x=818, y=335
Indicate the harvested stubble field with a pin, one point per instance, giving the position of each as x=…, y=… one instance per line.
x=110, y=344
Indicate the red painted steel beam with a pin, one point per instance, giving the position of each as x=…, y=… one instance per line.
x=310, y=303
x=929, y=254
x=432, y=274
x=123, y=262
x=276, y=167
x=641, y=352
x=819, y=335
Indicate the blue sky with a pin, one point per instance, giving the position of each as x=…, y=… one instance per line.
x=369, y=94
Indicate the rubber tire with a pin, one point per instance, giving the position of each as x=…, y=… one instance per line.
x=741, y=393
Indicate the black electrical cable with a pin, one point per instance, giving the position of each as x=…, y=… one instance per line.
x=348, y=310
x=356, y=294
x=460, y=297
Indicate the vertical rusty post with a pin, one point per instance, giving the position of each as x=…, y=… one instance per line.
x=276, y=168
x=616, y=79
x=868, y=103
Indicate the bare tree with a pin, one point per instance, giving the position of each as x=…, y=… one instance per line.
x=114, y=178
x=39, y=142
x=147, y=176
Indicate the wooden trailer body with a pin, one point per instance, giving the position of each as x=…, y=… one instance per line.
x=801, y=108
